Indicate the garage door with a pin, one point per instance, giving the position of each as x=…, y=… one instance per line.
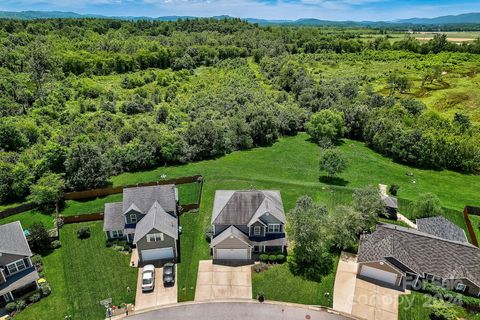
x=231, y=254
x=157, y=254
x=374, y=273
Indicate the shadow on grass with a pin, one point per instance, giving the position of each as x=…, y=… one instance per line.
x=337, y=181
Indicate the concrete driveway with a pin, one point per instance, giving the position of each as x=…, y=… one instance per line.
x=217, y=282
x=375, y=302
x=360, y=298
x=159, y=296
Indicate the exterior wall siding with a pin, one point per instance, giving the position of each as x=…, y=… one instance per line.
x=9, y=258
x=168, y=241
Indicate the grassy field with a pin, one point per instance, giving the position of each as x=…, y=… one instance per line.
x=293, y=289
x=81, y=273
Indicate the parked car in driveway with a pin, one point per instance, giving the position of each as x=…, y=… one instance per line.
x=169, y=274
x=148, y=278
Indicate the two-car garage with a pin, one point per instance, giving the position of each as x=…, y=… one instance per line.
x=157, y=254
x=380, y=274
x=231, y=254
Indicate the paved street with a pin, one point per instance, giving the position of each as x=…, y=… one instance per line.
x=237, y=311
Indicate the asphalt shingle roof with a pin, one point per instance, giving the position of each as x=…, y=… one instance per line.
x=157, y=218
x=142, y=198
x=442, y=228
x=241, y=207
x=113, y=218
x=230, y=232
x=12, y=240
x=390, y=201
x=421, y=252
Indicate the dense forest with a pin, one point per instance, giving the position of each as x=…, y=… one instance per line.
x=84, y=99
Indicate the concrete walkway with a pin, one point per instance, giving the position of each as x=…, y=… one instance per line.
x=217, y=282
x=401, y=217
x=345, y=280
x=239, y=310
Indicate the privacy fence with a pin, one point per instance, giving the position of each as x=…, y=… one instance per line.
x=18, y=209
x=469, y=210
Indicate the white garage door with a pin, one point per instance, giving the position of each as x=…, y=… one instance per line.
x=157, y=254
x=374, y=273
x=231, y=254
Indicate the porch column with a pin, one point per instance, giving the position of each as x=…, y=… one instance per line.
x=11, y=296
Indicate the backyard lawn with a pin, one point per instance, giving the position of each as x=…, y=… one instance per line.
x=81, y=273
x=27, y=218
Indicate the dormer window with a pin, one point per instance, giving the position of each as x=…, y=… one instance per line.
x=257, y=231
x=273, y=228
x=155, y=237
x=460, y=287
x=133, y=218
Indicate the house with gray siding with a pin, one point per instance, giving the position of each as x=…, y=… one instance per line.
x=17, y=272
x=405, y=257
x=246, y=223
x=147, y=218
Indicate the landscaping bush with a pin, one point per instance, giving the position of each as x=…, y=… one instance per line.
x=21, y=304
x=469, y=303
x=441, y=310
x=56, y=244
x=263, y=257
x=272, y=258
x=280, y=258
x=46, y=290
x=83, y=233
x=35, y=297
x=37, y=259
x=11, y=307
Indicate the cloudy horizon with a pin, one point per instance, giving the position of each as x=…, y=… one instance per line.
x=356, y=10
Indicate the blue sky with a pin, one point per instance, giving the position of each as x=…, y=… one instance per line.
x=269, y=9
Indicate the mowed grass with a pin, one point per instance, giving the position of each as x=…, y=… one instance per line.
x=28, y=218
x=83, y=272
x=278, y=283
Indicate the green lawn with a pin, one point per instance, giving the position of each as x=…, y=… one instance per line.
x=278, y=283
x=475, y=220
x=290, y=165
x=83, y=272
x=27, y=218
x=417, y=306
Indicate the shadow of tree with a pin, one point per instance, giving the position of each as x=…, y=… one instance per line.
x=337, y=181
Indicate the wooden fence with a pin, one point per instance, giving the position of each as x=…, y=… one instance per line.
x=470, y=227
x=94, y=193
x=473, y=210
x=18, y=209
x=83, y=218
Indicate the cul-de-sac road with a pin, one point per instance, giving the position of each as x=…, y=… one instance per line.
x=238, y=311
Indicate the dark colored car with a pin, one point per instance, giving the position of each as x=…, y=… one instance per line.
x=169, y=274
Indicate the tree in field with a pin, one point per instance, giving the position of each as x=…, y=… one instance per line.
x=40, y=239
x=40, y=64
x=345, y=226
x=369, y=204
x=399, y=83
x=427, y=205
x=86, y=167
x=432, y=74
x=326, y=125
x=306, y=223
x=462, y=121
x=48, y=190
x=332, y=162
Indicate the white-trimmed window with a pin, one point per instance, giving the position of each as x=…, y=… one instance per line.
x=460, y=287
x=273, y=228
x=16, y=266
x=117, y=233
x=257, y=231
x=133, y=218
x=154, y=237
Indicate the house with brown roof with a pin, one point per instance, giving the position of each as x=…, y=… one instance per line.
x=404, y=257
x=246, y=223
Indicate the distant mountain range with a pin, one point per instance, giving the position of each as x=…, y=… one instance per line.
x=467, y=18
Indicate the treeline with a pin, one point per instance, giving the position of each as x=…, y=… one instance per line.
x=101, y=47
